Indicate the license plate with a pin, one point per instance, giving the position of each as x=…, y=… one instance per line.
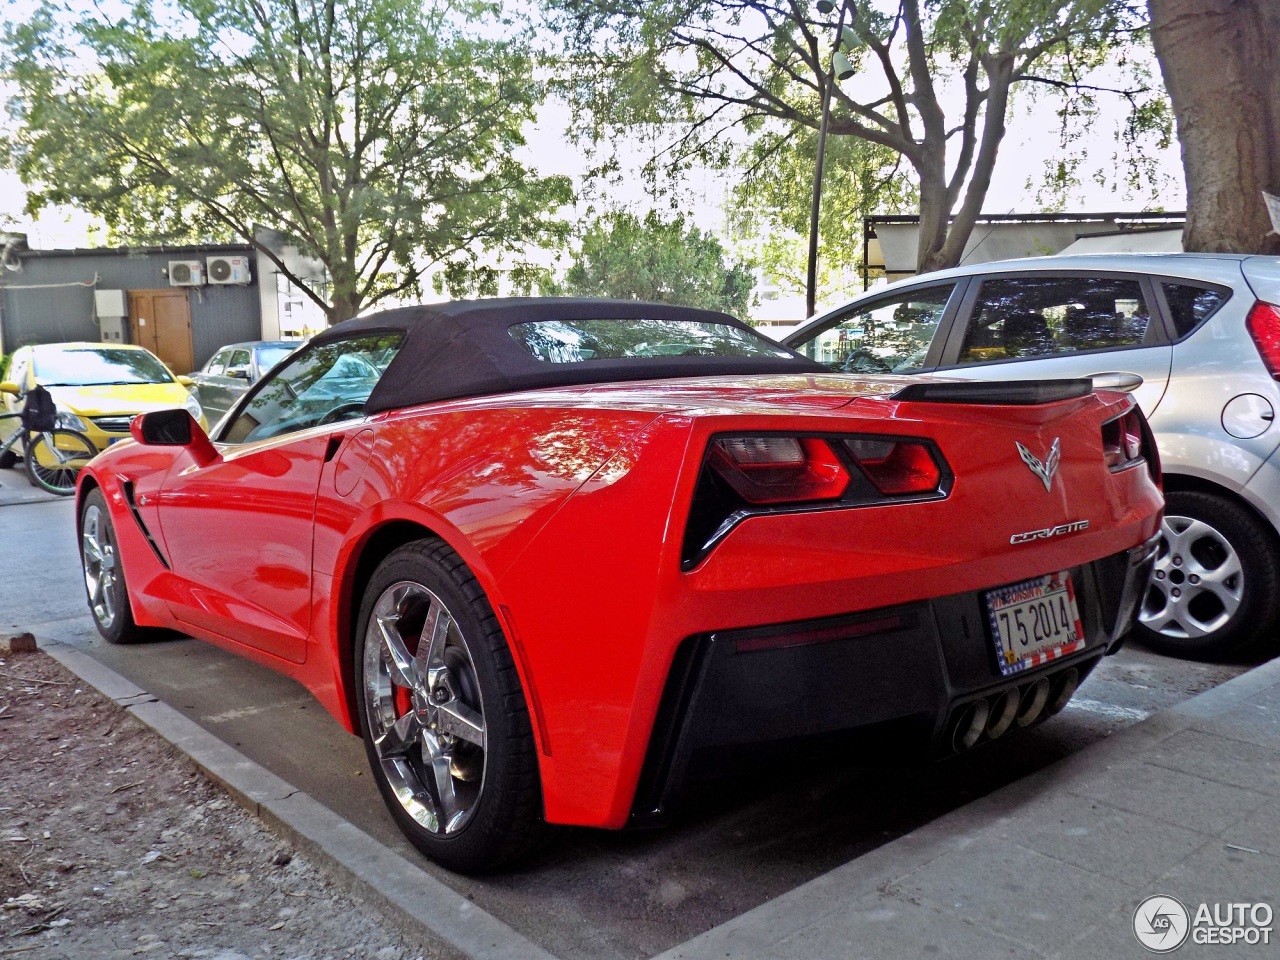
x=1034, y=621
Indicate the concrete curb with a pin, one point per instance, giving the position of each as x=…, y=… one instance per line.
x=425, y=908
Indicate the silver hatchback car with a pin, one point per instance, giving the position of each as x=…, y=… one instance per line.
x=1195, y=338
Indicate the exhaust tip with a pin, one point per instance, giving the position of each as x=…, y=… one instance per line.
x=1064, y=687
x=1033, y=702
x=1003, y=714
x=968, y=729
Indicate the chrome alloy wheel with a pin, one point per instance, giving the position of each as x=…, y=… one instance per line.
x=1198, y=582
x=101, y=566
x=424, y=709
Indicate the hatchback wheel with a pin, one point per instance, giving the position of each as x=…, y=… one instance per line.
x=443, y=715
x=1212, y=593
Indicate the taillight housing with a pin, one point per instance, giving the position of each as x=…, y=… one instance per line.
x=897, y=467
x=751, y=474
x=1122, y=440
x=1127, y=441
x=1263, y=324
x=766, y=470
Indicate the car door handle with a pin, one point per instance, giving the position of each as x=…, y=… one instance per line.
x=1113, y=380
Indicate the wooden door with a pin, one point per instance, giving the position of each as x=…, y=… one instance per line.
x=160, y=320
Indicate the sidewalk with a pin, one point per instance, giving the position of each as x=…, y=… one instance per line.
x=1185, y=804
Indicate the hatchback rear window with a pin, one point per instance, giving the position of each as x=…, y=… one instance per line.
x=581, y=341
x=1191, y=305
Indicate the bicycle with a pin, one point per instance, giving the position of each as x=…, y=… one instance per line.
x=52, y=458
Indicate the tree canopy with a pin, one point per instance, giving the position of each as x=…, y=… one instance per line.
x=379, y=136
x=659, y=260
x=931, y=86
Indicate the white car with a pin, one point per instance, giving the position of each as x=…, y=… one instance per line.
x=1194, y=337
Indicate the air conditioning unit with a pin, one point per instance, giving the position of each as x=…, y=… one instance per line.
x=228, y=269
x=186, y=273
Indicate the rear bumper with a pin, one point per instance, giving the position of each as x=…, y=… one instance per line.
x=928, y=667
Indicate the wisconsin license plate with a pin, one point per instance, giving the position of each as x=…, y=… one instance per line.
x=1034, y=621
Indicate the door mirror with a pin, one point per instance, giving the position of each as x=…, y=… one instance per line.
x=240, y=373
x=173, y=428
x=10, y=388
x=184, y=380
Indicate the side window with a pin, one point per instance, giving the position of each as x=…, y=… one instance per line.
x=1023, y=317
x=889, y=335
x=1191, y=305
x=216, y=364
x=239, y=358
x=328, y=383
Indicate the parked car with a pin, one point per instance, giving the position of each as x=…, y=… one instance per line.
x=539, y=564
x=98, y=387
x=231, y=371
x=1194, y=337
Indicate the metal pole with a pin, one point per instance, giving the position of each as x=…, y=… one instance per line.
x=811, y=275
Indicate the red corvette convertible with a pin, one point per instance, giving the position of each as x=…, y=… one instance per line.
x=541, y=554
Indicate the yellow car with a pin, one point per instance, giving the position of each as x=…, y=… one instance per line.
x=98, y=387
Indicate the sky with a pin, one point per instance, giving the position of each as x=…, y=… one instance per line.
x=1031, y=142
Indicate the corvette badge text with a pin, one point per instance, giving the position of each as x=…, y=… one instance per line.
x=1075, y=526
x=1162, y=924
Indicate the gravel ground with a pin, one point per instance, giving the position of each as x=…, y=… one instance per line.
x=114, y=845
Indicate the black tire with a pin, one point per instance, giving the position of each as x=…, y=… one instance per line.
x=54, y=458
x=472, y=799
x=104, y=582
x=1213, y=593
x=8, y=460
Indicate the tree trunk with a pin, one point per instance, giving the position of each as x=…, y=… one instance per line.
x=1219, y=60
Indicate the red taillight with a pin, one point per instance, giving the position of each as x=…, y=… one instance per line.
x=780, y=469
x=1122, y=440
x=1263, y=324
x=896, y=467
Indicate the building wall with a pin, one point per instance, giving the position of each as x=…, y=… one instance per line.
x=286, y=311
x=50, y=299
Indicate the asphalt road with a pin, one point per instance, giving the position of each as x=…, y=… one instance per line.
x=743, y=838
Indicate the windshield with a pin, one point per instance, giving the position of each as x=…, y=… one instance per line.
x=580, y=341
x=98, y=366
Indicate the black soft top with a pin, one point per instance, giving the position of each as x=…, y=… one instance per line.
x=465, y=349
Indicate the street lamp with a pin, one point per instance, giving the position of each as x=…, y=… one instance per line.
x=841, y=69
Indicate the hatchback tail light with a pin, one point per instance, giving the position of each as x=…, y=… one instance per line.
x=1263, y=324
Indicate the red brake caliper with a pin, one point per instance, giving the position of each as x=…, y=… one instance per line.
x=403, y=700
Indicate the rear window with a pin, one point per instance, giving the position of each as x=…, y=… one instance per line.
x=582, y=341
x=1191, y=305
x=268, y=357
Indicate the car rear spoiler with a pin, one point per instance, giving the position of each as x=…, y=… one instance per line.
x=1018, y=393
